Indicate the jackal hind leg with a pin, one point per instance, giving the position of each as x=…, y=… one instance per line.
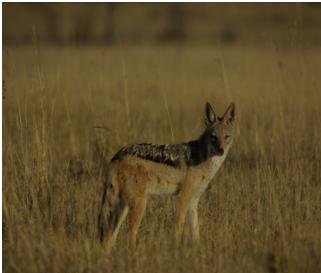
x=136, y=213
x=115, y=230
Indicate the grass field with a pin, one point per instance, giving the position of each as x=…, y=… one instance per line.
x=261, y=213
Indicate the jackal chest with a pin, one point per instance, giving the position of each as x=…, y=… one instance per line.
x=206, y=172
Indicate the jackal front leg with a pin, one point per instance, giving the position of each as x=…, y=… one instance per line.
x=183, y=205
x=193, y=219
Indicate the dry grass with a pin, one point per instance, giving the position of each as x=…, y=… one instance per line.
x=261, y=212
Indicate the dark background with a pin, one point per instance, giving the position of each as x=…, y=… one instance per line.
x=154, y=23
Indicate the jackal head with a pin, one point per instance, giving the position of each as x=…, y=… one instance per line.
x=219, y=132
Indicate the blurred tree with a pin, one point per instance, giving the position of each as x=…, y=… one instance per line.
x=83, y=25
x=109, y=25
x=175, y=29
x=52, y=22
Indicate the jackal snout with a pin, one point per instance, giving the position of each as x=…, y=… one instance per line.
x=217, y=144
x=220, y=151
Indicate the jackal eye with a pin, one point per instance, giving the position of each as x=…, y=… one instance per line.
x=227, y=136
x=213, y=136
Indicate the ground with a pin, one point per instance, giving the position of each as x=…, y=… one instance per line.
x=261, y=212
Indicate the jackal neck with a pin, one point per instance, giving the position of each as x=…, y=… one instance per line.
x=198, y=152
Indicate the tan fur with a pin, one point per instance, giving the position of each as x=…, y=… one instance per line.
x=132, y=180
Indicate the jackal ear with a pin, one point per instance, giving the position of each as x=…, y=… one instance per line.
x=229, y=115
x=210, y=116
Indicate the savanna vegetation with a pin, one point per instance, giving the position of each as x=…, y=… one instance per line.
x=261, y=213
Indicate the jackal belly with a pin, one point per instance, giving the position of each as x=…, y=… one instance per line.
x=155, y=178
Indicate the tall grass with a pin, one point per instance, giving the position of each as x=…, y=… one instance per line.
x=261, y=213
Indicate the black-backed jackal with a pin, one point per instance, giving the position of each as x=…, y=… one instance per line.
x=185, y=170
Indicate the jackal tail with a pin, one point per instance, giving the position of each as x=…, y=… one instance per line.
x=111, y=207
